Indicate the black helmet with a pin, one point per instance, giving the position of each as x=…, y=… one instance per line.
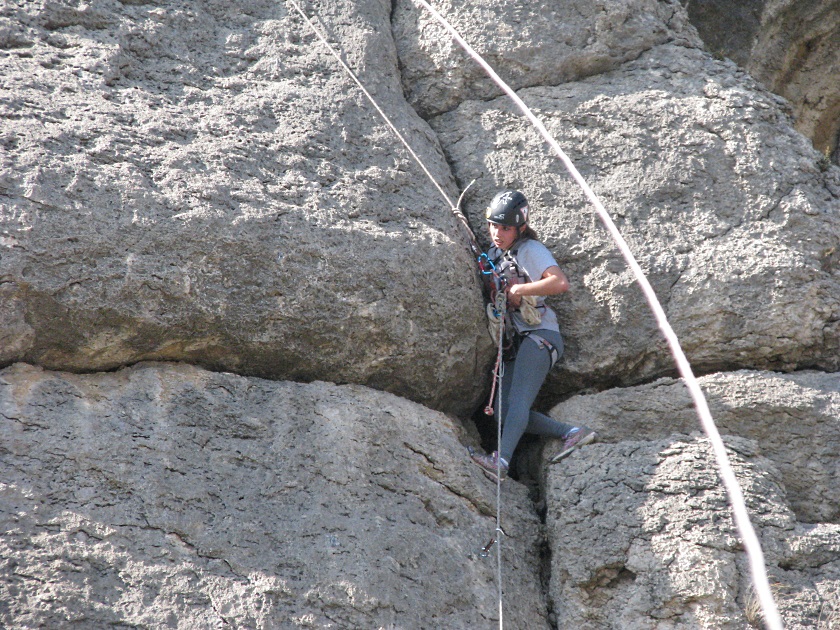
x=509, y=207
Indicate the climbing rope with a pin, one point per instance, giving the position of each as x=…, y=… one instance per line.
x=730, y=482
x=742, y=521
x=478, y=255
x=496, y=312
x=497, y=383
x=455, y=208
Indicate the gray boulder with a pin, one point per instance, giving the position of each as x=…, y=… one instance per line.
x=793, y=418
x=202, y=182
x=723, y=203
x=642, y=538
x=166, y=495
x=528, y=44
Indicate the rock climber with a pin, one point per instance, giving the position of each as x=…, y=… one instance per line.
x=526, y=270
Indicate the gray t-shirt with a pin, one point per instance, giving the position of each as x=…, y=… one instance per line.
x=526, y=261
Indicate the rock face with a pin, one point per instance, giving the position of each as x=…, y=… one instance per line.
x=168, y=496
x=218, y=266
x=794, y=418
x=206, y=185
x=672, y=557
x=722, y=202
x=526, y=43
x=197, y=182
x=668, y=555
x=793, y=47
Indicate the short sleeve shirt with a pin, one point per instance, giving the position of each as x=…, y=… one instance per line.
x=526, y=261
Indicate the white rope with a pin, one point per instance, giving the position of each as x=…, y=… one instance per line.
x=476, y=250
x=499, y=532
x=371, y=99
x=455, y=209
x=730, y=482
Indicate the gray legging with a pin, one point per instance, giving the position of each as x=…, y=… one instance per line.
x=521, y=383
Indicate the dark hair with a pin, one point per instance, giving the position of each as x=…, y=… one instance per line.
x=528, y=232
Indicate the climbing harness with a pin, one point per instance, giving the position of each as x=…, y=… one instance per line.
x=730, y=482
x=545, y=344
x=499, y=274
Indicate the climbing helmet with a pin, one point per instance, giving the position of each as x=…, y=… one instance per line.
x=509, y=207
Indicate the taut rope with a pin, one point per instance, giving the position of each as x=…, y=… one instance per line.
x=730, y=482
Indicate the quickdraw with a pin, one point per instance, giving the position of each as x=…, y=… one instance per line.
x=485, y=550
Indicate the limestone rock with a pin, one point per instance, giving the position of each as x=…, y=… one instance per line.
x=201, y=182
x=167, y=495
x=720, y=199
x=526, y=43
x=794, y=419
x=642, y=538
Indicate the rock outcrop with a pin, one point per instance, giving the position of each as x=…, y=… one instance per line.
x=643, y=538
x=198, y=182
x=166, y=495
x=241, y=335
x=793, y=47
x=184, y=194
x=722, y=202
x=527, y=44
x=793, y=418
x=672, y=557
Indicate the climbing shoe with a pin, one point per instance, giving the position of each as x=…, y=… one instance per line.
x=579, y=436
x=490, y=465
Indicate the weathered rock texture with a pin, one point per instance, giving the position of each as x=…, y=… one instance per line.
x=197, y=181
x=200, y=182
x=722, y=202
x=667, y=553
x=168, y=496
x=793, y=47
x=643, y=539
x=794, y=419
x=528, y=44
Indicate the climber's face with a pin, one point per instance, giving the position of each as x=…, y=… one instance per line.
x=503, y=236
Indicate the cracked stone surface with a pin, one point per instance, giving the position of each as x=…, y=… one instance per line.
x=722, y=202
x=643, y=538
x=168, y=496
x=526, y=43
x=199, y=181
x=195, y=182
x=794, y=418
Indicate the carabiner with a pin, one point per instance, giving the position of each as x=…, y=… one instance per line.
x=481, y=260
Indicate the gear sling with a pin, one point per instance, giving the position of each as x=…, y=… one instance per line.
x=497, y=274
